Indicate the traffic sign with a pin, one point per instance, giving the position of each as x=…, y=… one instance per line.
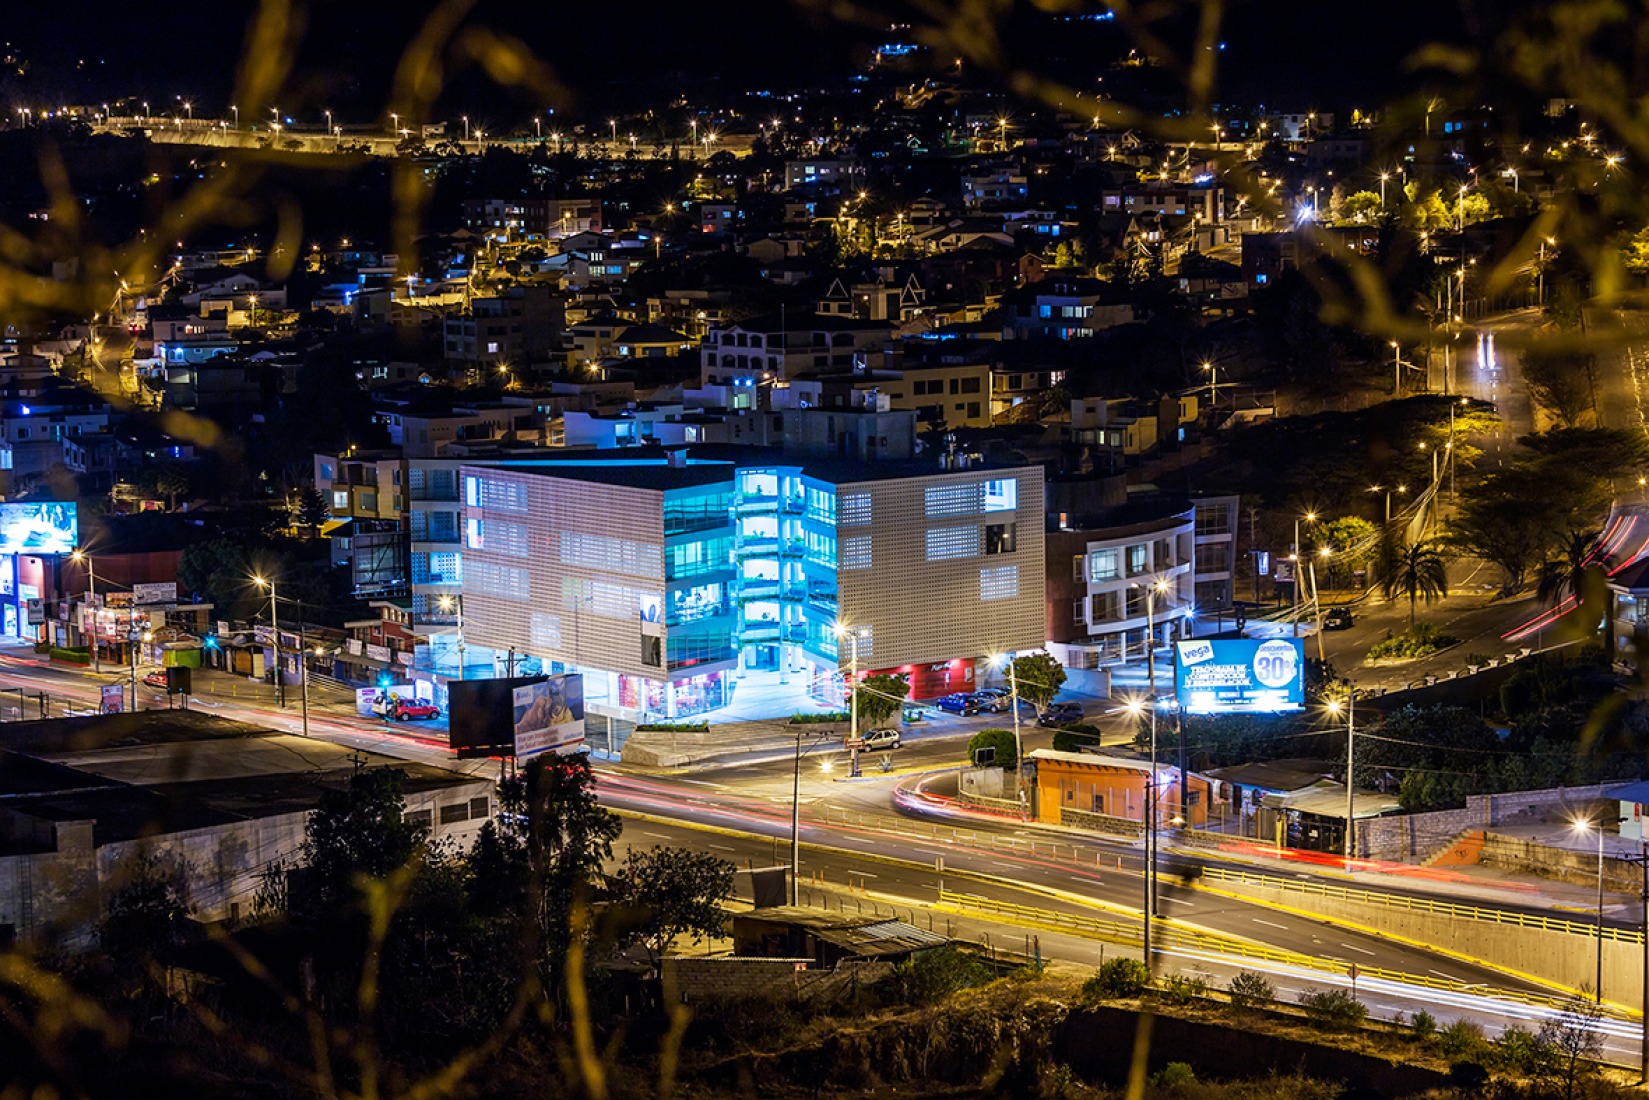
x=853, y=744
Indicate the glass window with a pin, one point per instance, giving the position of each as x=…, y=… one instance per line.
x=1001, y=538
x=1002, y=495
x=999, y=584
x=1102, y=565
x=1139, y=559
x=951, y=500
x=340, y=501
x=855, y=510
x=946, y=543
x=856, y=553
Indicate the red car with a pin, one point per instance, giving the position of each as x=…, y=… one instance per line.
x=407, y=709
x=155, y=679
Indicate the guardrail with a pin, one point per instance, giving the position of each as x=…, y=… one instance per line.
x=1430, y=906
x=1169, y=935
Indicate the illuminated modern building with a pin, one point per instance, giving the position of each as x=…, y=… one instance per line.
x=716, y=577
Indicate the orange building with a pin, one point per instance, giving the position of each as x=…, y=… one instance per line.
x=1118, y=786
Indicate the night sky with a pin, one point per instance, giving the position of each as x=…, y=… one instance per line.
x=624, y=55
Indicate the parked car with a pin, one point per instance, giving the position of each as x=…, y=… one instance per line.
x=408, y=709
x=995, y=700
x=155, y=679
x=885, y=738
x=1338, y=618
x=961, y=702
x=1060, y=714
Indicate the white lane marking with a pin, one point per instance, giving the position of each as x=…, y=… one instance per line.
x=660, y=836
x=1009, y=866
x=722, y=847
x=1270, y=924
x=1354, y=947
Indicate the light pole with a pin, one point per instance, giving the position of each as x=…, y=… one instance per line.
x=1351, y=738
x=91, y=600
x=1152, y=590
x=1213, y=370
x=1297, y=558
x=852, y=637
x=275, y=634
x=449, y=603
x=466, y=128
x=236, y=112
x=1018, y=743
x=1582, y=827
x=1396, y=368
x=1384, y=176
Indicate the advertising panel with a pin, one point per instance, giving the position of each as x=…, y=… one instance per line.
x=489, y=717
x=1240, y=675
x=549, y=716
x=145, y=594
x=113, y=697
x=43, y=527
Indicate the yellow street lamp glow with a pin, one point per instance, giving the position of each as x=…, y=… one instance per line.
x=1333, y=706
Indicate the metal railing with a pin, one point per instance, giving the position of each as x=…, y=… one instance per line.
x=1429, y=906
x=1168, y=936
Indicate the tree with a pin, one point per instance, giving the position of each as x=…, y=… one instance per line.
x=1363, y=206
x=1352, y=543
x=146, y=916
x=1574, y=1040
x=1416, y=570
x=1561, y=380
x=312, y=511
x=672, y=892
x=1038, y=678
x=999, y=740
x=1577, y=573
x=880, y=697
x=360, y=831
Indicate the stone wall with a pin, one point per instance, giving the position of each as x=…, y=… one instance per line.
x=1415, y=837
x=1101, y=823
x=732, y=977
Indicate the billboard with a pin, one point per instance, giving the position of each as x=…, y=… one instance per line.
x=44, y=527
x=145, y=594
x=549, y=716
x=489, y=717
x=1226, y=676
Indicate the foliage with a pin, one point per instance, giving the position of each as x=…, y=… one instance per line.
x=880, y=697
x=358, y=832
x=78, y=656
x=674, y=727
x=1521, y=1051
x=144, y=922
x=1071, y=740
x=1354, y=542
x=1174, y=1076
x=1336, y=1009
x=1181, y=990
x=1462, y=1039
x=999, y=739
x=1415, y=570
x=1251, y=989
x=1419, y=640
x=1561, y=379
x=671, y=892
x=1039, y=677
x=930, y=976
x=818, y=718
x=1422, y=1025
x=1572, y=1042
x=1116, y=979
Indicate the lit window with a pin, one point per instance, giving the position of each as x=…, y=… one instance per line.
x=1002, y=495
x=999, y=584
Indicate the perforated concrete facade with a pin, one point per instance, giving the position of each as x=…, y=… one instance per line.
x=923, y=611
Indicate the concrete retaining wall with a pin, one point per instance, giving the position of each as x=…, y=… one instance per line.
x=1560, y=864
x=1566, y=958
x=735, y=978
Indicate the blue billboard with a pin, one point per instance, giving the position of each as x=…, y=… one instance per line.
x=40, y=528
x=1242, y=675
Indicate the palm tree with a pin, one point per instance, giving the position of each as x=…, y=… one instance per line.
x=1565, y=575
x=1417, y=570
x=1578, y=572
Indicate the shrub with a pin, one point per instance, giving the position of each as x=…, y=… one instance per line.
x=1069, y=740
x=998, y=739
x=1251, y=989
x=933, y=975
x=1462, y=1039
x=1175, y=1075
x=678, y=727
x=1423, y=1025
x=818, y=718
x=1180, y=990
x=1334, y=1008
x=1422, y=640
x=1520, y=1051
x=1117, y=978
x=71, y=656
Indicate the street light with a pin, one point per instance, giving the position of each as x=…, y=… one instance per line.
x=1149, y=810
x=133, y=636
x=275, y=633
x=852, y=637
x=1310, y=517
x=448, y=603
x=1213, y=370
x=1581, y=827
x=1018, y=744
x=1152, y=591
x=1351, y=739
x=79, y=555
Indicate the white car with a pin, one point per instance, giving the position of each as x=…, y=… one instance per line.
x=882, y=739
